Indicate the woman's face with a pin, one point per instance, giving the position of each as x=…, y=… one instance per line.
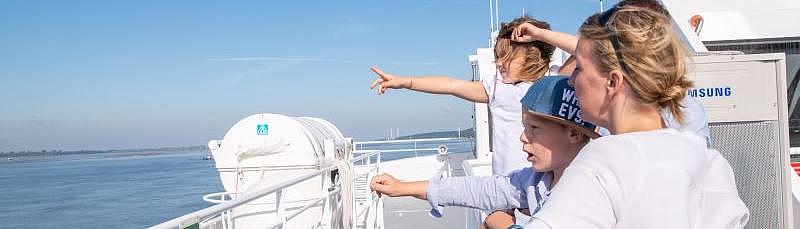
x=546, y=143
x=590, y=84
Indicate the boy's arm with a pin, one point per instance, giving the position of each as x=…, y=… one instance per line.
x=388, y=185
x=528, y=32
x=495, y=192
x=487, y=193
x=469, y=90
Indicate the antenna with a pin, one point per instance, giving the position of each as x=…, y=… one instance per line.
x=601, y=6
x=491, y=17
x=497, y=13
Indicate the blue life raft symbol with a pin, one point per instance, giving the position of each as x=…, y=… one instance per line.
x=262, y=129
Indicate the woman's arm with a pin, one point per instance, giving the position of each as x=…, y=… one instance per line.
x=469, y=90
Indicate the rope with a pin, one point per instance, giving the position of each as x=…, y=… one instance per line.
x=345, y=180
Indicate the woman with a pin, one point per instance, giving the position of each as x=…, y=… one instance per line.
x=631, y=65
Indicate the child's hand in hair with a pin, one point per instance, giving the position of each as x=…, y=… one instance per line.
x=526, y=32
x=386, y=81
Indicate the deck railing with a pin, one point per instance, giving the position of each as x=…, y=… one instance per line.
x=371, y=158
x=223, y=210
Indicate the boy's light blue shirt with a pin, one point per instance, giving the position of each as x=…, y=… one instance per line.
x=523, y=188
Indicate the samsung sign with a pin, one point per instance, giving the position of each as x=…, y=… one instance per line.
x=709, y=92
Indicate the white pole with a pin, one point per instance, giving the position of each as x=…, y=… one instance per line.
x=601, y=6
x=491, y=17
x=497, y=13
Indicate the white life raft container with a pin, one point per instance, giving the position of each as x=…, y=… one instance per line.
x=266, y=149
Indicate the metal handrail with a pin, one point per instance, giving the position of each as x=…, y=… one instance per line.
x=408, y=141
x=200, y=215
x=221, y=195
x=398, y=150
x=247, y=197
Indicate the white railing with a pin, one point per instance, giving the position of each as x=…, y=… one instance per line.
x=227, y=201
x=222, y=211
x=360, y=146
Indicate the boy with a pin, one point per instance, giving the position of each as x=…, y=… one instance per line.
x=554, y=132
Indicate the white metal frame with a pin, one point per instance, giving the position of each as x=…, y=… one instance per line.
x=222, y=211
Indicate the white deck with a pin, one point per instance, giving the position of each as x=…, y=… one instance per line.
x=409, y=212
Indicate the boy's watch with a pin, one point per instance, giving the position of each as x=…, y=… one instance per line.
x=515, y=226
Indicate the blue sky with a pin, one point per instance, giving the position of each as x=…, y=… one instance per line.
x=133, y=74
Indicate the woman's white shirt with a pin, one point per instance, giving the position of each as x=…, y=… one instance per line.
x=652, y=179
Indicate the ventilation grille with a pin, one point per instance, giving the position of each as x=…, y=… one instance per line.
x=753, y=152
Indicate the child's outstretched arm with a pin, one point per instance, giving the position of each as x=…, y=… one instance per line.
x=469, y=90
x=528, y=33
x=388, y=185
x=494, y=192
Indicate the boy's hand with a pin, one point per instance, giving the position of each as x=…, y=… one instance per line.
x=524, y=33
x=386, y=81
x=386, y=184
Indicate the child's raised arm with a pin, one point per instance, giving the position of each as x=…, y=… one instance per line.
x=529, y=33
x=469, y=90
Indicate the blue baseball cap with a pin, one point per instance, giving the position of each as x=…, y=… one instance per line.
x=553, y=98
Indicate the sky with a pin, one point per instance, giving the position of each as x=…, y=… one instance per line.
x=93, y=75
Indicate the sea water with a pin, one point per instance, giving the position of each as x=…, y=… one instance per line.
x=121, y=190
x=104, y=191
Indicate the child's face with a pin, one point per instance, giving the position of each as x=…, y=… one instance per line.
x=510, y=68
x=546, y=143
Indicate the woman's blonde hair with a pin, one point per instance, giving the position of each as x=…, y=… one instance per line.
x=536, y=54
x=648, y=52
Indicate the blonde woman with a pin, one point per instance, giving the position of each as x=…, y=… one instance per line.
x=630, y=66
x=694, y=118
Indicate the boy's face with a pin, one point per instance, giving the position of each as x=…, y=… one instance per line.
x=546, y=143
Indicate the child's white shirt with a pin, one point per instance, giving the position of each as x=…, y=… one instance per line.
x=505, y=123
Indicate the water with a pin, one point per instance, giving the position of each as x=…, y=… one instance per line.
x=104, y=191
x=122, y=190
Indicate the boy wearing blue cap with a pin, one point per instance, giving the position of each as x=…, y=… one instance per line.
x=554, y=132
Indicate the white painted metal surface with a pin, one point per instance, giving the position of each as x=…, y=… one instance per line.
x=484, y=60
x=739, y=19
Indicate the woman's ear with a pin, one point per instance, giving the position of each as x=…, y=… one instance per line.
x=614, y=82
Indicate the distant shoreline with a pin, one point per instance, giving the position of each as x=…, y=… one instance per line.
x=55, y=153
x=464, y=133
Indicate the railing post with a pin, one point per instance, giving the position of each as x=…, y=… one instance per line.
x=279, y=208
x=415, y=149
x=326, y=212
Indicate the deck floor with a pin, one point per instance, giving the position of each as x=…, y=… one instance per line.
x=409, y=212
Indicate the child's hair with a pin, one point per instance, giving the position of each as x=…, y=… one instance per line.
x=651, y=54
x=536, y=54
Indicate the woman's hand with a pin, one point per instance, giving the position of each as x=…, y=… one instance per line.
x=386, y=81
x=526, y=32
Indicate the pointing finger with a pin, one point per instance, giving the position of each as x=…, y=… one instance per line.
x=374, y=83
x=377, y=71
